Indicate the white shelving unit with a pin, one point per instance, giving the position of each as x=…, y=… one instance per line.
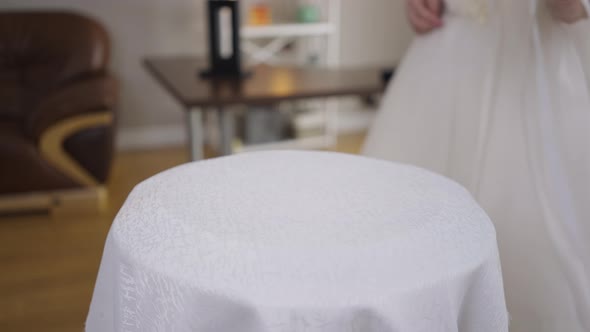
x=263, y=45
x=287, y=30
x=276, y=36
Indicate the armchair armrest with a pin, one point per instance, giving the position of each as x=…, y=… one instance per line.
x=82, y=97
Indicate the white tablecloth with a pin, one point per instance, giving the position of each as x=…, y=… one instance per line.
x=299, y=241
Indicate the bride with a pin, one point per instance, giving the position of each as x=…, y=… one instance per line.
x=496, y=95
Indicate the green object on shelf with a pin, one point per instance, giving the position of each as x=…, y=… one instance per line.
x=308, y=14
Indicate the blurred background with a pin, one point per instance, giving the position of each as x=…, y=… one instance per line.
x=82, y=121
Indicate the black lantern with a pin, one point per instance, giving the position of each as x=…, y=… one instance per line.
x=224, y=40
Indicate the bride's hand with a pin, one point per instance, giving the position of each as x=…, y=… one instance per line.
x=424, y=15
x=568, y=11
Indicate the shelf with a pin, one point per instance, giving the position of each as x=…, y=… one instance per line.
x=287, y=30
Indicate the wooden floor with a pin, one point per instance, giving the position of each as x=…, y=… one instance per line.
x=48, y=266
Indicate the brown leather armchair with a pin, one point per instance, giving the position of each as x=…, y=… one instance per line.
x=56, y=102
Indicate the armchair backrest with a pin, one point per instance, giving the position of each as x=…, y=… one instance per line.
x=41, y=51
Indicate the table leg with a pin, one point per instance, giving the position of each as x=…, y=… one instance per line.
x=331, y=118
x=195, y=134
x=227, y=130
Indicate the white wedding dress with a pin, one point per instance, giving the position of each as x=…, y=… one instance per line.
x=499, y=100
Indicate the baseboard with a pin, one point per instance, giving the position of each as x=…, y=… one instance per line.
x=152, y=137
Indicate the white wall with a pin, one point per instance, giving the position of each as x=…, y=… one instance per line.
x=373, y=32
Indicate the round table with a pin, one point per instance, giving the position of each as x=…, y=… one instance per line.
x=299, y=241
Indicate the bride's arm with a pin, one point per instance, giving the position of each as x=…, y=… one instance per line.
x=568, y=11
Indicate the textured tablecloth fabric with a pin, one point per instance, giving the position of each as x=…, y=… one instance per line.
x=299, y=241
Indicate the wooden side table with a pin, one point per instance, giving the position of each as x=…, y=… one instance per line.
x=268, y=85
